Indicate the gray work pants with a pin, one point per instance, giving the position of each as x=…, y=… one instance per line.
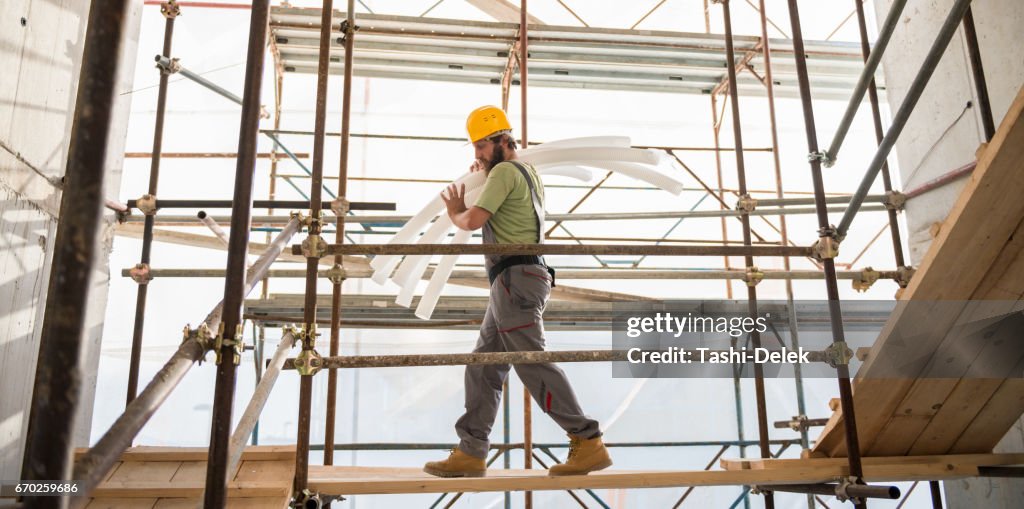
x=514, y=323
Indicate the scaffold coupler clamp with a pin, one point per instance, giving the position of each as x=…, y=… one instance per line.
x=340, y=206
x=146, y=204
x=337, y=274
x=822, y=157
x=746, y=204
x=827, y=245
x=903, y=275
x=140, y=273
x=308, y=362
x=895, y=200
x=202, y=335
x=865, y=279
x=314, y=246
x=754, y=488
x=347, y=30
x=167, y=66
x=753, y=276
x=170, y=9
x=798, y=423
x=306, y=336
x=838, y=354
x=234, y=342
x=312, y=222
x=307, y=499
x=842, y=493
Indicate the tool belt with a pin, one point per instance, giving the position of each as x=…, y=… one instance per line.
x=510, y=261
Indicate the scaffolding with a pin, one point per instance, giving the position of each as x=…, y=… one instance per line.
x=496, y=52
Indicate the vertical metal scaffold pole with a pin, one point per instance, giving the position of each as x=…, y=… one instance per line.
x=312, y=245
x=527, y=403
x=794, y=335
x=978, y=70
x=337, y=271
x=170, y=11
x=876, y=117
x=826, y=235
x=57, y=386
x=715, y=125
x=229, y=336
x=755, y=337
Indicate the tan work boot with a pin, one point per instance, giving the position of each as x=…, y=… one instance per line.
x=585, y=455
x=458, y=464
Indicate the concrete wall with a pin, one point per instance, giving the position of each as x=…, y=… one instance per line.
x=41, y=43
x=944, y=134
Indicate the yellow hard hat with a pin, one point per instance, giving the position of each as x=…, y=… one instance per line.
x=486, y=121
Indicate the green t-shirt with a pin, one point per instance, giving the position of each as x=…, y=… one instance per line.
x=506, y=195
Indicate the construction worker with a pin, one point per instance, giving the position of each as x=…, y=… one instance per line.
x=510, y=209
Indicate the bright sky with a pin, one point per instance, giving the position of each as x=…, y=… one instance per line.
x=421, y=404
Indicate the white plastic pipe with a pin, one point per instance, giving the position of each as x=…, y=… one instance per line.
x=631, y=155
x=563, y=158
x=412, y=269
x=586, y=141
x=640, y=172
x=442, y=272
x=575, y=172
x=415, y=225
x=437, y=231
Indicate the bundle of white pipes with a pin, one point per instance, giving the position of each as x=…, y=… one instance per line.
x=572, y=158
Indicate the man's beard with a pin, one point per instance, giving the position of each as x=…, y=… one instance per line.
x=497, y=156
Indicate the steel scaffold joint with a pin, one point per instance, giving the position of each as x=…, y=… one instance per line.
x=146, y=204
x=140, y=273
x=753, y=276
x=170, y=9
x=234, y=342
x=336, y=274
x=822, y=157
x=865, y=279
x=746, y=203
x=895, y=200
x=827, y=245
x=838, y=354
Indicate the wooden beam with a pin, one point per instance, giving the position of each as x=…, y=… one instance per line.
x=950, y=459
x=158, y=489
x=161, y=453
x=375, y=480
x=975, y=256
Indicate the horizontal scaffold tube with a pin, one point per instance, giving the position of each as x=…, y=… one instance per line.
x=397, y=446
x=562, y=274
x=456, y=359
x=559, y=249
x=260, y=221
x=260, y=204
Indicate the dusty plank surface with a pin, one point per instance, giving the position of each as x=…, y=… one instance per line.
x=174, y=477
x=952, y=459
x=978, y=255
x=360, y=480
